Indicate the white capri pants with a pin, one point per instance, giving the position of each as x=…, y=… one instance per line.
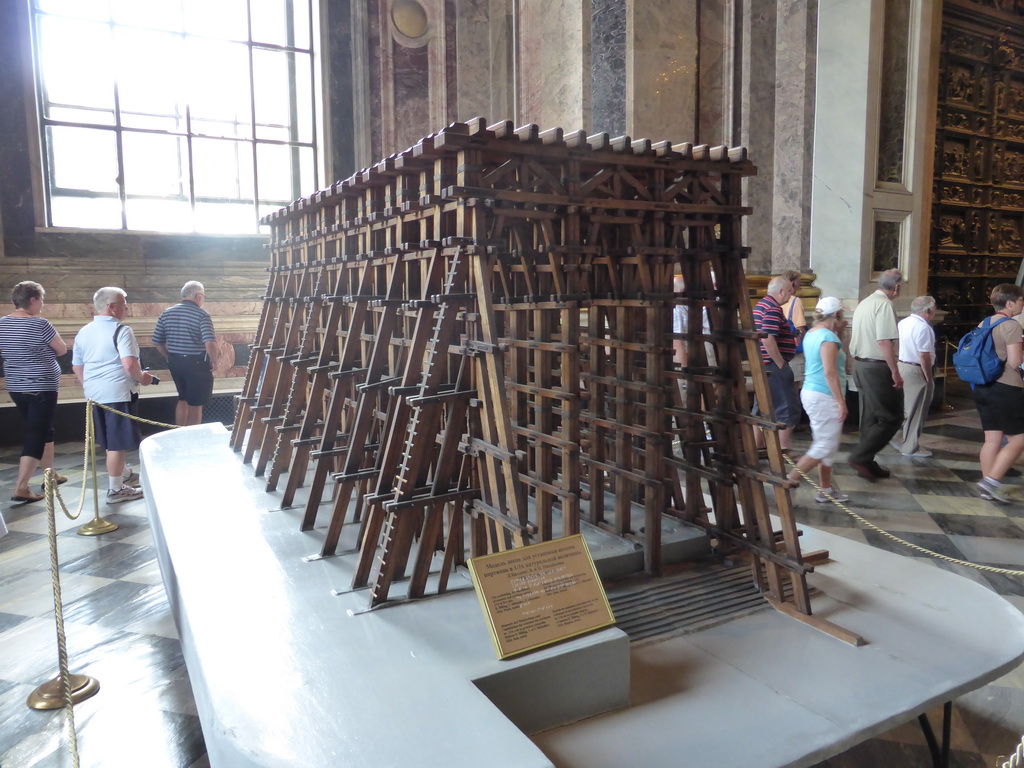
x=826, y=428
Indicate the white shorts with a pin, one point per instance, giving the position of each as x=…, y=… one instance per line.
x=826, y=428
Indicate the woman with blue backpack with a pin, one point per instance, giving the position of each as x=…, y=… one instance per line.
x=1000, y=402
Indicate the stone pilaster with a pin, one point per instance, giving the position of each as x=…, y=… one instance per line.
x=794, y=135
x=553, y=63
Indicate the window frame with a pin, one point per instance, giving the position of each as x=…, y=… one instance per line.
x=312, y=168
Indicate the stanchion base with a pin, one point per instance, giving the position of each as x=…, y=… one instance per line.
x=50, y=695
x=96, y=526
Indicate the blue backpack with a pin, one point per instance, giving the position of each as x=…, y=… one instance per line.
x=975, y=358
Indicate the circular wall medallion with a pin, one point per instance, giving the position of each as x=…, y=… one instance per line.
x=409, y=18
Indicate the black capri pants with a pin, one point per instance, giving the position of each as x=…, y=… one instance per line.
x=39, y=410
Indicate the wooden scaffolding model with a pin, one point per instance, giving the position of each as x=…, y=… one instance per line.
x=475, y=335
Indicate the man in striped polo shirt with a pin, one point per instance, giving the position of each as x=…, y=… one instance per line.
x=184, y=335
x=777, y=348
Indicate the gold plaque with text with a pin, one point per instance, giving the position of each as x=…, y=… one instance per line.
x=541, y=594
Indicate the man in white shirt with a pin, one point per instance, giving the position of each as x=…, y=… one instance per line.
x=916, y=364
x=105, y=359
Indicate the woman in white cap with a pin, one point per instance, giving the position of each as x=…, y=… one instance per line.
x=823, y=396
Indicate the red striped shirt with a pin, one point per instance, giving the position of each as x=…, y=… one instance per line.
x=768, y=318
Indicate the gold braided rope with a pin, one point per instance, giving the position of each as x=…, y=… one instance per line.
x=897, y=539
x=130, y=416
x=49, y=488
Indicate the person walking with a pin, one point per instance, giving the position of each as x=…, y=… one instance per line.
x=1001, y=403
x=184, y=335
x=917, y=368
x=105, y=358
x=30, y=346
x=777, y=348
x=793, y=309
x=876, y=374
x=824, y=396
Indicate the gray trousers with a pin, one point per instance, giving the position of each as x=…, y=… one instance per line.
x=917, y=397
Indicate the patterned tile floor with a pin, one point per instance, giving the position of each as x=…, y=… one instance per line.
x=120, y=630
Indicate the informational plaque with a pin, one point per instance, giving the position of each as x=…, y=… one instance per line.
x=541, y=594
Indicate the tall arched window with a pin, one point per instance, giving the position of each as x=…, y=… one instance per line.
x=174, y=115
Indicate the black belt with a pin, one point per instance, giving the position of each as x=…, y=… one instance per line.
x=867, y=359
x=178, y=354
x=907, y=362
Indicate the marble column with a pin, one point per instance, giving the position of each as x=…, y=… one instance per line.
x=661, y=69
x=794, y=134
x=757, y=125
x=841, y=146
x=553, y=63
x=483, y=68
x=717, y=60
x=608, y=40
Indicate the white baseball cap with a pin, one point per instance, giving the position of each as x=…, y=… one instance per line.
x=829, y=305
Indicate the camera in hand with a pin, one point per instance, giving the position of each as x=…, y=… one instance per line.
x=154, y=381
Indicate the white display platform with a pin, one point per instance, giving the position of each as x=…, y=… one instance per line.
x=285, y=672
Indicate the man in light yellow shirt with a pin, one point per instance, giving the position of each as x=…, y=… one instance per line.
x=877, y=374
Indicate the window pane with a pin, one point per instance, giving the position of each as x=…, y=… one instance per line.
x=83, y=158
x=218, y=85
x=155, y=165
x=150, y=88
x=280, y=175
x=98, y=10
x=86, y=212
x=159, y=215
x=226, y=218
x=224, y=19
x=165, y=14
x=223, y=169
x=270, y=23
x=276, y=101
x=76, y=66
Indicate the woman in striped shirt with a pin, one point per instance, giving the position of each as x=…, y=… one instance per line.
x=30, y=346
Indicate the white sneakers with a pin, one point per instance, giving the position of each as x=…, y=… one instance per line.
x=123, y=494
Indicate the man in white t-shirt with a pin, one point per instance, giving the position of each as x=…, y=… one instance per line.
x=917, y=367
x=105, y=359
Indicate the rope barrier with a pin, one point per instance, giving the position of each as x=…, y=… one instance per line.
x=897, y=539
x=132, y=416
x=1017, y=758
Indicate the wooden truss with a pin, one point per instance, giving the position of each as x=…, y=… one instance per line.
x=475, y=335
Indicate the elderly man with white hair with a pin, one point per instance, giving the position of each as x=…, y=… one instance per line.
x=105, y=359
x=916, y=365
x=875, y=371
x=184, y=335
x=778, y=346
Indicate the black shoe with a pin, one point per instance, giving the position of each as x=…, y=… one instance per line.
x=1012, y=472
x=879, y=471
x=863, y=470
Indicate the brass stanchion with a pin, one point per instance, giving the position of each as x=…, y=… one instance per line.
x=97, y=525
x=66, y=689
x=51, y=695
x=945, y=377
